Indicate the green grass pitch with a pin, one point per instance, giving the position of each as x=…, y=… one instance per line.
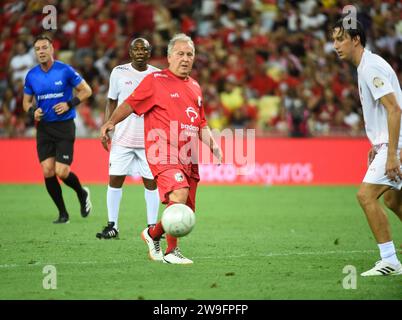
x=249, y=242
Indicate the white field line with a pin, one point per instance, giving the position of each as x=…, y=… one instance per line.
x=272, y=254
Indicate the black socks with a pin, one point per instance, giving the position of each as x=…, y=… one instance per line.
x=54, y=190
x=73, y=182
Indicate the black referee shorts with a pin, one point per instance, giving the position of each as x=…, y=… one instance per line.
x=56, y=139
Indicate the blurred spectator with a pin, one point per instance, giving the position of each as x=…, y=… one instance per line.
x=265, y=64
x=21, y=62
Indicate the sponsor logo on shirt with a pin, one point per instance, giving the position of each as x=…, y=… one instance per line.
x=378, y=82
x=174, y=95
x=191, y=113
x=59, y=83
x=51, y=96
x=189, y=127
x=121, y=68
x=156, y=75
x=129, y=83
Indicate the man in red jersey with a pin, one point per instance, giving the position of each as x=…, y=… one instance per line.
x=174, y=120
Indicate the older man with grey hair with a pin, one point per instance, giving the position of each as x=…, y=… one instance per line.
x=172, y=105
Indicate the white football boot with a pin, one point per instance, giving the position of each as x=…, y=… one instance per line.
x=383, y=268
x=154, y=247
x=175, y=257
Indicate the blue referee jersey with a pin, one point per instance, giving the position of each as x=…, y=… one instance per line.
x=52, y=87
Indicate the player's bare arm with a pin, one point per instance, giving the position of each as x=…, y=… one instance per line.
x=28, y=105
x=208, y=139
x=118, y=115
x=389, y=102
x=83, y=91
x=110, y=107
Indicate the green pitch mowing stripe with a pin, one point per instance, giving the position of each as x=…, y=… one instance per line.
x=248, y=243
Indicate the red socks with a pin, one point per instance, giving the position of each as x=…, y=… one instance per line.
x=171, y=242
x=157, y=231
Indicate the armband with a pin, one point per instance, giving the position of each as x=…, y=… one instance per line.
x=73, y=102
x=31, y=112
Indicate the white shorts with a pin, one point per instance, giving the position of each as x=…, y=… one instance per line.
x=376, y=171
x=125, y=161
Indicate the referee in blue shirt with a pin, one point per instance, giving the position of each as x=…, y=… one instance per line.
x=51, y=85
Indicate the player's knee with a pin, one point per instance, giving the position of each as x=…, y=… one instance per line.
x=48, y=170
x=363, y=198
x=62, y=171
x=116, y=181
x=149, y=184
x=179, y=195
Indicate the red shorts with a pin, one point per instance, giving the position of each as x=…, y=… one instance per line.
x=173, y=179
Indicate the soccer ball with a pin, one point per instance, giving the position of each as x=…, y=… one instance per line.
x=178, y=220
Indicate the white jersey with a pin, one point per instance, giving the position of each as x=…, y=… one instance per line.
x=123, y=80
x=377, y=79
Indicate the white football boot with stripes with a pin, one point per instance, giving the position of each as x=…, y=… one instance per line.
x=154, y=246
x=175, y=257
x=383, y=268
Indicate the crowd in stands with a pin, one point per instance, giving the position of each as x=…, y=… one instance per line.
x=262, y=64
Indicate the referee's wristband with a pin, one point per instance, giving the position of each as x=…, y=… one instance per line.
x=31, y=112
x=73, y=102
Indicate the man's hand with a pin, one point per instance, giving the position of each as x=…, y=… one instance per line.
x=371, y=156
x=105, y=139
x=105, y=142
x=38, y=114
x=218, y=154
x=61, y=108
x=392, y=168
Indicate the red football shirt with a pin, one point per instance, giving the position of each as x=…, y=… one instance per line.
x=173, y=117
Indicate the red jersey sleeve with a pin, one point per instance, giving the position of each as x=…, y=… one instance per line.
x=143, y=97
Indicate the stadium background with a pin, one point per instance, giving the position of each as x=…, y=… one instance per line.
x=266, y=65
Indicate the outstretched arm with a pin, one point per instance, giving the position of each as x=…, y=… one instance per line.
x=118, y=115
x=207, y=138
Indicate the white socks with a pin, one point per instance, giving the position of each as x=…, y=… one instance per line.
x=388, y=253
x=152, y=202
x=113, y=199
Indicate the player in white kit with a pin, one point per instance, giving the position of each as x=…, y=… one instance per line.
x=381, y=98
x=127, y=153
